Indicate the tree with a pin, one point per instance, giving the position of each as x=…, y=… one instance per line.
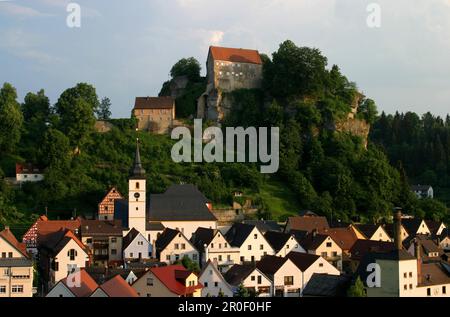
x=104, y=110
x=189, y=67
x=357, y=289
x=242, y=291
x=368, y=111
x=190, y=264
x=76, y=107
x=55, y=150
x=11, y=119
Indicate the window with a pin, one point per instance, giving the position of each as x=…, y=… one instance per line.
x=150, y=281
x=89, y=241
x=216, y=284
x=242, y=259
x=205, y=284
x=444, y=290
x=72, y=253
x=220, y=257
x=17, y=288
x=10, y=254
x=259, y=279
x=324, y=254
x=287, y=246
x=168, y=257
x=6, y=272
x=177, y=246
x=220, y=245
x=131, y=254
x=3, y=254
x=261, y=247
x=252, y=278
x=334, y=253
x=249, y=246
x=288, y=280
x=225, y=245
x=113, y=251
x=212, y=245
x=410, y=274
x=410, y=286
x=320, y=264
x=428, y=291
x=56, y=266
x=405, y=287
x=137, y=185
x=329, y=244
x=183, y=246
x=228, y=257
x=2, y=289
x=113, y=240
x=194, y=257
x=404, y=275
x=255, y=236
x=210, y=272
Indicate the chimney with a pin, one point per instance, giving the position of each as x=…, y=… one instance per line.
x=418, y=254
x=398, y=228
x=206, y=253
x=154, y=249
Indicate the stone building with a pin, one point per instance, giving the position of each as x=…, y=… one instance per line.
x=228, y=69
x=155, y=114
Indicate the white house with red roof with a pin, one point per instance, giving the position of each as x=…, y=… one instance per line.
x=28, y=173
x=168, y=281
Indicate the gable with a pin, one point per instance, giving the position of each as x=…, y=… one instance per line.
x=264, y=279
x=7, y=247
x=60, y=290
x=250, y=240
x=99, y=293
x=72, y=245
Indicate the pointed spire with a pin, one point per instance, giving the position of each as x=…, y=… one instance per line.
x=137, y=170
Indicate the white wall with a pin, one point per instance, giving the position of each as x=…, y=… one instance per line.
x=209, y=277
x=139, y=245
x=258, y=246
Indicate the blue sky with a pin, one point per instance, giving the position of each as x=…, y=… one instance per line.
x=126, y=48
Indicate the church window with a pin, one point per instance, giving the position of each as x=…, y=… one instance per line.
x=137, y=185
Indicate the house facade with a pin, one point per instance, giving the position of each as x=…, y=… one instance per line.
x=172, y=246
x=106, y=206
x=250, y=278
x=28, y=173
x=214, y=284
x=135, y=246
x=16, y=268
x=155, y=114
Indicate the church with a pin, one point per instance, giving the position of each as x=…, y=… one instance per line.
x=181, y=207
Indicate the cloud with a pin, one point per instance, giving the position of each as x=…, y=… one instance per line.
x=13, y=9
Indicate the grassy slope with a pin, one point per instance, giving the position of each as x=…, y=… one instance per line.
x=279, y=199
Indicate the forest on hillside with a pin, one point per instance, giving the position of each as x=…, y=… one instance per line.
x=329, y=172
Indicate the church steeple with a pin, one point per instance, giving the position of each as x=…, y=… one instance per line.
x=137, y=171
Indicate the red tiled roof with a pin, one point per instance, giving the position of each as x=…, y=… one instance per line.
x=27, y=169
x=154, y=103
x=308, y=223
x=344, y=237
x=9, y=236
x=87, y=285
x=236, y=55
x=118, y=287
x=168, y=276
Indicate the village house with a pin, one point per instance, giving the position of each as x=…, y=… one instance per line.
x=310, y=264
x=374, y=232
x=16, y=268
x=77, y=284
x=415, y=226
x=28, y=173
x=284, y=275
x=104, y=240
x=168, y=281
x=325, y=246
x=214, y=284
x=361, y=247
x=173, y=246
x=429, y=250
x=307, y=223
x=106, y=206
x=345, y=237
x=227, y=69
x=155, y=114
x=283, y=243
x=250, y=241
x=135, y=246
x=250, y=278
x=212, y=246
x=181, y=207
x=61, y=254
x=436, y=227
x=389, y=227
x=423, y=191
x=115, y=287
x=325, y=285
x=43, y=228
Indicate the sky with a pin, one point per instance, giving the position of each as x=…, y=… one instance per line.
x=126, y=48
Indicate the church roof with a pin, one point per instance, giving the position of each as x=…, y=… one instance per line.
x=137, y=171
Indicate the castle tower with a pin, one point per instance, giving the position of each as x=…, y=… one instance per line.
x=137, y=194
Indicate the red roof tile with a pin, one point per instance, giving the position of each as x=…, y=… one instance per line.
x=118, y=287
x=236, y=55
x=154, y=103
x=168, y=276
x=27, y=169
x=344, y=237
x=87, y=285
